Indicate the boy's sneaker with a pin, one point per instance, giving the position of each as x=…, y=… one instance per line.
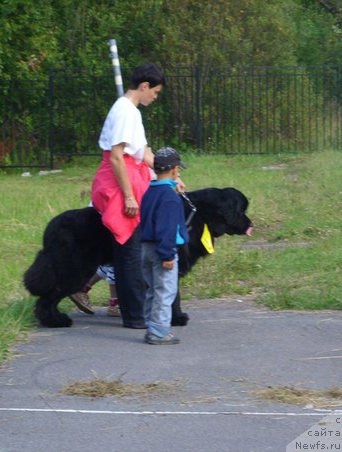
x=169, y=339
x=82, y=301
x=113, y=311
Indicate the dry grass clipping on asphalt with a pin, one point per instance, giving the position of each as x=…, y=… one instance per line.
x=315, y=397
x=104, y=387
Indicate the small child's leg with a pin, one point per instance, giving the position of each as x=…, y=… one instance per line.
x=81, y=298
x=113, y=308
x=112, y=290
x=107, y=272
x=93, y=280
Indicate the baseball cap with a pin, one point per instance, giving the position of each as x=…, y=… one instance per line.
x=167, y=158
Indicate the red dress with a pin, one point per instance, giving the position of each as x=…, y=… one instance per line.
x=108, y=198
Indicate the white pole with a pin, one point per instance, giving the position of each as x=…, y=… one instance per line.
x=116, y=65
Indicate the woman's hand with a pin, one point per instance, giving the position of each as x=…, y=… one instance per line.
x=180, y=185
x=131, y=206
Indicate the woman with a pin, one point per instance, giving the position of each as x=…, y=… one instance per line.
x=120, y=182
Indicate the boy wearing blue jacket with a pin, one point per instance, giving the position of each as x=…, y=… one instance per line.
x=163, y=228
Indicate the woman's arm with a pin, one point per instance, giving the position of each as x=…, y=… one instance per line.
x=148, y=156
x=119, y=169
x=149, y=159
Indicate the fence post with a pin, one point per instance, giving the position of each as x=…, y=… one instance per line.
x=198, y=127
x=116, y=66
x=51, y=113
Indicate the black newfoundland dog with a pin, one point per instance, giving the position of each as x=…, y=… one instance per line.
x=75, y=243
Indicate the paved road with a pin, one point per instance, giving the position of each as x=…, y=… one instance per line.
x=229, y=348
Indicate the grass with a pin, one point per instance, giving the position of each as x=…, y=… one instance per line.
x=99, y=387
x=326, y=398
x=293, y=200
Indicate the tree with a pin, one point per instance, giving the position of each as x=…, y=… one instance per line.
x=28, y=45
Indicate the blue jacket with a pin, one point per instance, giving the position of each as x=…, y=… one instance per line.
x=162, y=218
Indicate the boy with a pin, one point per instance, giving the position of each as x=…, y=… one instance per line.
x=163, y=228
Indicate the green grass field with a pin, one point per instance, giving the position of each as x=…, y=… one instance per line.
x=293, y=260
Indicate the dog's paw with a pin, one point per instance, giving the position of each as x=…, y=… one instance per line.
x=66, y=322
x=180, y=320
x=62, y=321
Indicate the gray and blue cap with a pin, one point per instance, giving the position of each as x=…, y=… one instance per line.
x=167, y=158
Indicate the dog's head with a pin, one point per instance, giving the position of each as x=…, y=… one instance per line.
x=223, y=209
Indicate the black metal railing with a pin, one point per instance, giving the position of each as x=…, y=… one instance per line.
x=249, y=110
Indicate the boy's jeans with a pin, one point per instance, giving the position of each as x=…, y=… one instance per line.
x=161, y=292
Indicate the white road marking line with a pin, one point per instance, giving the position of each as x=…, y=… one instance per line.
x=321, y=357
x=177, y=413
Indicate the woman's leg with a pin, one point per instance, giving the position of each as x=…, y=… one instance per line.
x=130, y=285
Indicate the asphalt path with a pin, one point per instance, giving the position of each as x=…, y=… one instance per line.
x=229, y=348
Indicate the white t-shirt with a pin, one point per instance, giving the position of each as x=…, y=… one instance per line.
x=124, y=125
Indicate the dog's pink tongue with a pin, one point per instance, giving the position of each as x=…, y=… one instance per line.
x=249, y=231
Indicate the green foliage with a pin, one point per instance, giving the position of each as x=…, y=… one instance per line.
x=16, y=319
x=213, y=33
x=37, y=35
x=28, y=44
x=318, y=34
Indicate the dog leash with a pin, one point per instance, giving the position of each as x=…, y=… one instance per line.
x=192, y=213
x=206, y=238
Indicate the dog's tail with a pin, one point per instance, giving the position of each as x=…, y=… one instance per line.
x=40, y=278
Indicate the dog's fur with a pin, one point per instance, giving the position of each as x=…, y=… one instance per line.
x=75, y=243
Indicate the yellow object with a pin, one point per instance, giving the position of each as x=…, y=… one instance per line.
x=206, y=240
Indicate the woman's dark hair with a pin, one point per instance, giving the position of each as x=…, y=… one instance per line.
x=146, y=73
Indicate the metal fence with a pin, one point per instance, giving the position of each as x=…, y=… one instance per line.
x=220, y=110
